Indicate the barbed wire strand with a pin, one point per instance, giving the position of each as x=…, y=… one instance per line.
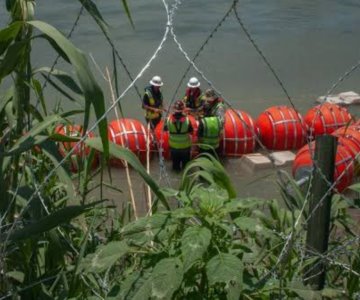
x=202, y=47
x=286, y=248
x=328, y=255
x=68, y=36
x=121, y=60
x=331, y=187
x=201, y=73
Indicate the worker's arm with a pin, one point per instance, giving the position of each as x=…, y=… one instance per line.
x=146, y=105
x=153, y=108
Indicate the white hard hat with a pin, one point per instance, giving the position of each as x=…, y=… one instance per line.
x=156, y=81
x=193, y=82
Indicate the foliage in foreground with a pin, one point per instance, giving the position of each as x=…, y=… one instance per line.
x=213, y=246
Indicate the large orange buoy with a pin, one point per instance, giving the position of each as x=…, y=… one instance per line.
x=326, y=118
x=239, y=134
x=162, y=138
x=349, y=136
x=344, y=165
x=281, y=128
x=131, y=134
x=80, y=152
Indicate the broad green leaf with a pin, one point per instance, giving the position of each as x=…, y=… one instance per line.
x=64, y=215
x=92, y=9
x=194, y=244
x=236, y=205
x=125, y=154
x=17, y=275
x=143, y=292
x=330, y=293
x=36, y=85
x=30, y=138
x=8, y=34
x=50, y=149
x=165, y=279
x=147, y=229
x=56, y=47
x=26, y=144
x=183, y=213
x=10, y=114
x=12, y=58
x=249, y=224
x=63, y=77
x=169, y=192
x=90, y=88
x=9, y=94
x=211, y=166
x=355, y=187
x=104, y=257
x=61, y=90
x=305, y=294
x=134, y=284
x=228, y=269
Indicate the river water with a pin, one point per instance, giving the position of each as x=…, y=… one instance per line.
x=309, y=43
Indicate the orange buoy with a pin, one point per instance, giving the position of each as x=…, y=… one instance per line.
x=326, y=118
x=80, y=152
x=131, y=134
x=349, y=136
x=281, y=128
x=239, y=134
x=162, y=138
x=344, y=165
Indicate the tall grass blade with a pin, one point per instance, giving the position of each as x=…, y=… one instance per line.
x=8, y=34
x=91, y=90
x=31, y=138
x=12, y=58
x=61, y=216
x=9, y=94
x=50, y=150
x=92, y=9
x=63, y=77
x=127, y=11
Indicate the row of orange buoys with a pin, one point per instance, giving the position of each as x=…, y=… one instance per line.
x=337, y=121
x=277, y=128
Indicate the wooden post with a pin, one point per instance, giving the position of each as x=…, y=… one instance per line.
x=318, y=225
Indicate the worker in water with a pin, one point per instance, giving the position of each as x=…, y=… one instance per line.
x=213, y=105
x=153, y=102
x=179, y=127
x=192, y=97
x=209, y=131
